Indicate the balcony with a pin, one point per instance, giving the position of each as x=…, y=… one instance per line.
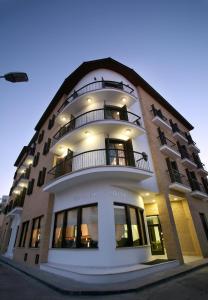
x=21, y=182
x=179, y=182
x=119, y=123
x=178, y=133
x=168, y=147
x=187, y=161
x=15, y=206
x=159, y=119
x=110, y=164
x=200, y=166
x=191, y=144
x=96, y=91
x=198, y=190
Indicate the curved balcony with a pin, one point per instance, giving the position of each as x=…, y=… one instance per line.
x=98, y=164
x=115, y=121
x=109, y=89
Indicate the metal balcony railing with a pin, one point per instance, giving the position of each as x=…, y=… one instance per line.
x=100, y=158
x=190, y=140
x=17, y=202
x=158, y=112
x=95, y=86
x=97, y=115
x=25, y=175
x=165, y=141
x=197, y=186
x=175, y=128
x=176, y=177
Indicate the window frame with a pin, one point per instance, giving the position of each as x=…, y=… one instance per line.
x=140, y=223
x=78, y=224
x=23, y=235
x=39, y=219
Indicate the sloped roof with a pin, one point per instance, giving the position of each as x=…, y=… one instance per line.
x=118, y=67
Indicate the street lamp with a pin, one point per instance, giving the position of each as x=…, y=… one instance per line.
x=15, y=77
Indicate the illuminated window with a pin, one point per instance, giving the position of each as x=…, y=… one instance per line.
x=36, y=233
x=129, y=226
x=76, y=228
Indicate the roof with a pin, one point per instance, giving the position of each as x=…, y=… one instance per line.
x=118, y=67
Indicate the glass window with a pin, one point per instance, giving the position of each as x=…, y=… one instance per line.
x=129, y=226
x=89, y=227
x=121, y=229
x=70, y=237
x=134, y=227
x=77, y=227
x=23, y=234
x=36, y=232
x=58, y=230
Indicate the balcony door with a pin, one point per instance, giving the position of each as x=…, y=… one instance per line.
x=173, y=171
x=115, y=112
x=119, y=152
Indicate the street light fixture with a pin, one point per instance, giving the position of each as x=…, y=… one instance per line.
x=15, y=77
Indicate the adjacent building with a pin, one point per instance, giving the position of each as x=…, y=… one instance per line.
x=111, y=178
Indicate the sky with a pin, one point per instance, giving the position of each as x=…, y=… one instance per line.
x=164, y=41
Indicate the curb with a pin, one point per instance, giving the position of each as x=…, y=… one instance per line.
x=107, y=292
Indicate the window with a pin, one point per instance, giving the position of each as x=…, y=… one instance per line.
x=76, y=228
x=23, y=234
x=30, y=186
x=36, y=159
x=40, y=137
x=129, y=226
x=119, y=152
x=51, y=122
x=204, y=220
x=41, y=177
x=36, y=233
x=46, y=147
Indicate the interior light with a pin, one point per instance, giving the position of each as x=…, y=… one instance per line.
x=120, y=144
x=118, y=113
x=123, y=99
x=89, y=100
x=128, y=131
x=175, y=198
x=147, y=194
x=63, y=119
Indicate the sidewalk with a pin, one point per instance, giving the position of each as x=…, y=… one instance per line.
x=72, y=287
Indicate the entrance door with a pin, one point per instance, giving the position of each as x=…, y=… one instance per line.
x=155, y=235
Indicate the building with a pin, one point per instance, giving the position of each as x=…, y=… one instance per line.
x=110, y=179
x=3, y=202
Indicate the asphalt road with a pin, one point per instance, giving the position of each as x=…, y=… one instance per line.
x=14, y=285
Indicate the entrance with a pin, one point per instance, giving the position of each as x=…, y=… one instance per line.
x=155, y=235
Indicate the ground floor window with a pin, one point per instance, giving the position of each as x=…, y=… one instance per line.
x=129, y=226
x=23, y=234
x=204, y=220
x=76, y=228
x=36, y=233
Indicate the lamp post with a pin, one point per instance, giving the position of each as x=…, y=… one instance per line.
x=15, y=77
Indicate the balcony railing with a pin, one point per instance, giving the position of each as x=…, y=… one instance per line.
x=25, y=175
x=175, y=129
x=165, y=141
x=176, y=177
x=97, y=115
x=101, y=158
x=17, y=202
x=197, y=186
x=158, y=112
x=190, y=140
x=95, y=86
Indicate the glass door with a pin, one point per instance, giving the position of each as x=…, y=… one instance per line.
x=155, y=235
x=116, y=153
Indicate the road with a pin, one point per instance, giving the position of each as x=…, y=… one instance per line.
x=14, y=286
